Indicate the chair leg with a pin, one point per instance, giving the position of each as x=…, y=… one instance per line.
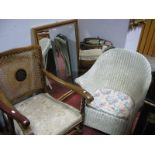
x=82, y=109
x=77, y=130
x=8, y=128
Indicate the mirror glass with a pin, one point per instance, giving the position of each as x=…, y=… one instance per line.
x=60, y=47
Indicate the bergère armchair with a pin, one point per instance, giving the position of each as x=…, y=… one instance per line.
x=118, y=81
x=24, y=100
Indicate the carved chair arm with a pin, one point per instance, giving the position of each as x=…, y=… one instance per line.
x=7, y=108
x=73, y=87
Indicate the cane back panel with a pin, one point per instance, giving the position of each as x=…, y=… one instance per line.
x=20, y=73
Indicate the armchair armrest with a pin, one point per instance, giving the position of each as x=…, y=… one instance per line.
x=73, y=87
x=6, y=107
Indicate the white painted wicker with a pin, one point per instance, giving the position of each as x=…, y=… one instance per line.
x=121, y=70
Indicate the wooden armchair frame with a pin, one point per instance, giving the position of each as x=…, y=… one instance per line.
x=7, y=107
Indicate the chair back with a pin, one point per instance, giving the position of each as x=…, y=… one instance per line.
x=21, y=73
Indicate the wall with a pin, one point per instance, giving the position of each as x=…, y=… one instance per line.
x=114, y=30
x=132, y=39
x=17, y=32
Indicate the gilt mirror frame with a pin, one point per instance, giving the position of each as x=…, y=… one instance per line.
x=39, y=29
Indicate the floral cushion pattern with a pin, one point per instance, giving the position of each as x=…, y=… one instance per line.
x=112, y=102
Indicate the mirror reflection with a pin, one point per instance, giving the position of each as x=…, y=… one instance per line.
x=59, y=45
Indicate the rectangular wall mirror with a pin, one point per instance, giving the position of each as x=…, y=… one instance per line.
x=60, y=47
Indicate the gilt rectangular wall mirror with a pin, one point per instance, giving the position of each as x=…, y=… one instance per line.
x=60, y=47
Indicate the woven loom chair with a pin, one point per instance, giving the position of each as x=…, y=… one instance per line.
x=24, y=100
x=117, y=71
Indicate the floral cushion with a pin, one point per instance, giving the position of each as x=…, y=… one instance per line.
x=112, y=102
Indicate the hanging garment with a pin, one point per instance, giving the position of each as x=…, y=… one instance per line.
x=62, y=45
x=45, y=45
x=61, y=68
x=46, y=48
x=62, y=58
x=50, y=66
x=59, y=62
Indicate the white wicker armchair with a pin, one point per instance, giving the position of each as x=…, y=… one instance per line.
x=120, y=70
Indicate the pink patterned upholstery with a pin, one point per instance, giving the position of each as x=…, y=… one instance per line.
x=113, y=102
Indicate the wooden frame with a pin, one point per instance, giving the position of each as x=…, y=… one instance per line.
x=44, y=28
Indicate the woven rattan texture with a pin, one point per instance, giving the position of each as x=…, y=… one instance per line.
x=28, y=60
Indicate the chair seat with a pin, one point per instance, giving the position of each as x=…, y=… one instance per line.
x=112, y=102
x=48, y=115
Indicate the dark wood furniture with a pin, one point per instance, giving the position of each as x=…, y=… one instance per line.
x=146, y=122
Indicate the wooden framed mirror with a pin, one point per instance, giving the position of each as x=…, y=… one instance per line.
x=60, y=47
